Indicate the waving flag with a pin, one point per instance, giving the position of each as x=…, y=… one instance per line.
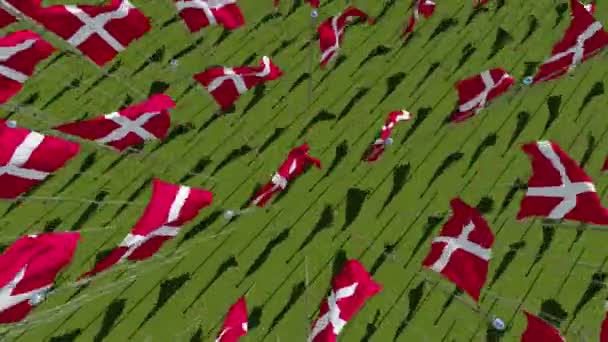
x=28, y=269
x=376, y=150
x=170, y=207
x=475, y=92
x=351, y=288
x=198, y=14
x=235, y=324
x=27, y=158
x=538, y=330
x=584, y=38
x=133, y=125
x=227, y=84
x=331, y=32
x=20, y=52
x=462, y=251
x=295, y=164
x=100, y=32
x=424, y=8
x=559, y=188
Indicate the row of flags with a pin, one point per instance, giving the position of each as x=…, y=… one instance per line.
x=558, y=189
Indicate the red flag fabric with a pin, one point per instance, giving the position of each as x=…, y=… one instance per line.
x=6, y=18
x=604, y=328
x=198, y=14
x=28, y=269
x=20, y=52
x=605, y=166
x=235, y=324
x=170, y=207
x=99, y=31
x=377, y=148
x=424, y=8
x=584, y=38
x=148, y=120
x=538, y=330
x=475, y=92
x=226, y=85
x=351, y=289
x=295, y=164
x=331, y=32
x=559, y=188
x=462, y=250
x=28, y=157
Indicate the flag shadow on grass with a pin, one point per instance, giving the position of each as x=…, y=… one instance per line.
x=553, y=103
x=27, y=102
x=231, y=157
x=415, y=297
x=400, y=177
x=199, y=168
x=258, y=94
x=354, y=203
x=75, y=83
x=467, y=51
x=114, y=68
x=455, y=293
x=168, y=288
x=371, y=327
x=523, y=118
x=181, y=53
x=296, y=292
x=321, y=116
x=294, y=85
x=67, y=337
x=86, y=165
x=429, y=72
x=561, y=9
x=338, y=62
x=156, y=57
x=532, y=27
x=379, y=50
x=341, y=152
x=487, y=142
x=421, y=115
x=325, y=221
x=596, y=284
x=392, y=82
x=476, y=12
x=506, y=260
x=270, y=140
x=381, y=259
x=553, y=312
x=450, y=160
x=596, y=90
x=548, y=235
x=432, y=222
x=444, y=26
x=351, y=104
x=503, y=38
x=52, y=224
x=265, y=254
x=200, y=227
x=228, y=264
x=89, y=211
x=113, y=312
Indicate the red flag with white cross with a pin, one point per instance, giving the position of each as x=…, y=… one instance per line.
x=351, y=289
x=20, y=52
x=226, y=85
x=538, y=330
x=559, y=188
x=424, y=8
x=171, y=206
x=27, y=158
x=198, y=14
x=235, y=323
x=148, y=120
x=99, y=31
x=377, y=148
x=583, y=39
x=462, y=250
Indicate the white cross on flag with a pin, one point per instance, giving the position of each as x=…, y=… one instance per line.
x=27, y=158
x=227, y=84
x=198, y=14
x=20, y=52
x=331, y=32
x=540, y=331
x=424, y=8
x=28, y=269
x=100, y=32
x=170, y=207
x=559, y=188
x=148, y=120
x=462, y=250
x=584, y=38
x=235, y=323
x=375, y=151
x=295, y=164
x=476, y=92
x=351, y=288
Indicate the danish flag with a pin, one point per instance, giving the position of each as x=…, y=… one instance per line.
x=20, y=52
x=6, y=18
x=100, y=32
x=351, y=288
x=559, y=188
x=604, y=328
x=424, y=8
x=377, y=148
x=27, y=158
x=227, y=84
x=584, y=38
x=463, y=249
x=475, y=92
x=170, y=207
x=28, y=269
x=331, y=32
x=148, y=120
x=198, y=14
x=235, y=324
x=295, y=164
x=539, y=330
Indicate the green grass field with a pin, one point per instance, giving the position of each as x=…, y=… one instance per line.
x=260, y=253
